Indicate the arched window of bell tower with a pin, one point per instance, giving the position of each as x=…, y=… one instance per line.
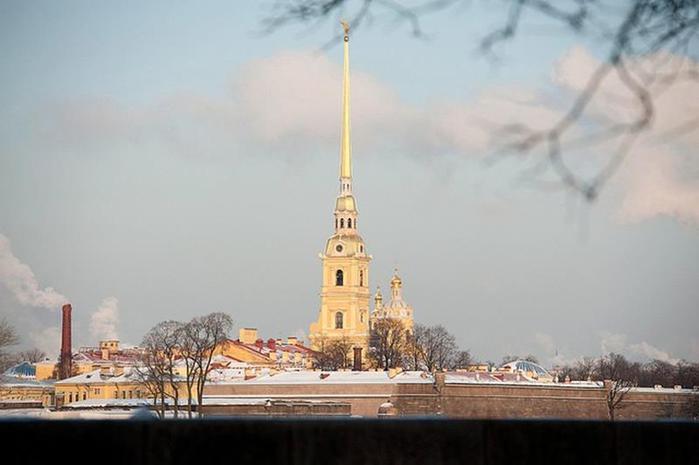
x=339, y=278
x=342, y=222
x=349, y=223
x=338, y=320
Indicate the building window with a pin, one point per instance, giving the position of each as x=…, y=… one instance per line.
x=361, y=278
x=349, y=223
x=84, y=395
x=70, y=397
x=342, y=222
x=335, y=223
x=339, y=278
x=338, y=320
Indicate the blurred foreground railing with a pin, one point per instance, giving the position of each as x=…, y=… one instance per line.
x=350, y=441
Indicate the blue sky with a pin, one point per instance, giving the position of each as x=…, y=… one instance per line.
x=171, y=156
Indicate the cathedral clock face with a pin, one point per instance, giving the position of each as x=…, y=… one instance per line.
x=338, y=248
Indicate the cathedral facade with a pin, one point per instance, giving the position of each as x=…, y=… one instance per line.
x=345, y=295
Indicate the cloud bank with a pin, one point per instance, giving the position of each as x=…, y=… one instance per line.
x=288, y=105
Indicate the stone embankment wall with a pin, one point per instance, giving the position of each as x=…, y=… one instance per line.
x=537, y=401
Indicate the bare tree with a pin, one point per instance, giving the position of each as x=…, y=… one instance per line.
x=461, y=359
x=333, y=354
x=632, y=29
x=414, y=354
x=617, y=373
x=188, y=357
x=157, y=370
x=31, y=355
x=387, y=343
x=438, y=348
x=150, y=373
x=8, y=337
x=203, y=335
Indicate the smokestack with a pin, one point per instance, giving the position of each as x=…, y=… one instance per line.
x=65, y=367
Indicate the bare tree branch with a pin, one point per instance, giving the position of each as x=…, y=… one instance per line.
x=635, y=29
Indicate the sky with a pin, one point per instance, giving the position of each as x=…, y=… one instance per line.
x=169, y=159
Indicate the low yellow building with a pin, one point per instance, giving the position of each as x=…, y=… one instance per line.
x=18, y=386
x=103, y=384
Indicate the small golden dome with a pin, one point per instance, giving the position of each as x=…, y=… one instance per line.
x=396, y=281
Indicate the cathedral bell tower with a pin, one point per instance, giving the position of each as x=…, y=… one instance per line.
x=344, y=295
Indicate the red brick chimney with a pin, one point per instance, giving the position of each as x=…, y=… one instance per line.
x=65, y=366
x=272, y=344
x=259, y=343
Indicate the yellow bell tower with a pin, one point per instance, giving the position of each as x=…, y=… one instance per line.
x=344, y=295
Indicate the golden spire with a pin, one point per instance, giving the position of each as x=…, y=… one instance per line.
x=345, y=146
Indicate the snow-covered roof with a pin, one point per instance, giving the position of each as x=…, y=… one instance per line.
x=108, y=403
x=467, y=377
x=14, y=381
x=232, y=400
x=340, y=377
x=97, y=377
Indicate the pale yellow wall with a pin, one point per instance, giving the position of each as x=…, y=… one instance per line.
x=248, y=335
x=350, y=298
x=107, y=390
x=38, y=393
x=45, y=370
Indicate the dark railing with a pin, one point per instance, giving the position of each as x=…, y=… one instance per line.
x=350, y=441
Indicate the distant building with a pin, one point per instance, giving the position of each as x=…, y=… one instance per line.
x=258, y=353
x=529, y=370
x=19, y=386
x=108, y=355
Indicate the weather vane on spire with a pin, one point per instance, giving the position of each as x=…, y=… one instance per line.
x=346, y=27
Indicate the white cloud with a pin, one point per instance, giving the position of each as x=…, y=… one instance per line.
x=661, y=182
x=103, y=323
x=288, y=105
x=617, y=343
x=21, y=281
x=660, y=177
x=611, y=342
x=546, y=342
x=47, y=340
x=19, y=278
x=651, y=352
